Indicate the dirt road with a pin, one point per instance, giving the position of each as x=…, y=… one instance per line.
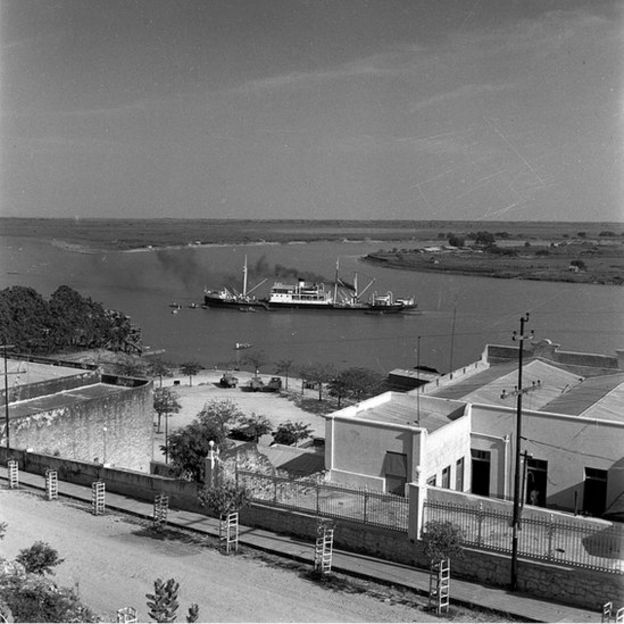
x=114, y=562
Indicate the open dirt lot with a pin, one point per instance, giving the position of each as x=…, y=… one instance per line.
x=277, y=407
x=114, y=561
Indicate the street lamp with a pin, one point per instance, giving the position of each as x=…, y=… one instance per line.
x=104, y=432
x=6, y=393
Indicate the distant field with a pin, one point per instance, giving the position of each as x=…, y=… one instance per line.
x=139, y=233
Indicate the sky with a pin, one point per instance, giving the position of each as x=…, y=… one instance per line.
x=312, y=109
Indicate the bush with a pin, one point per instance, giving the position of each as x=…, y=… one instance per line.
x=442, y=540
x=224, y=499
x=291, y=433
x=40, y=558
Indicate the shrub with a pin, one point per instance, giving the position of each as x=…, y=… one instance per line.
x=163, y=603
x=291, y=433
x=442, y=540
x=224, y=499
x=40, y=558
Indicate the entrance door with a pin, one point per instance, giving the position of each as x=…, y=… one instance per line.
x=595, y=491
x=536, y=481
x=480, y=472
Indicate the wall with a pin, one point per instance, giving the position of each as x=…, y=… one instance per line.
x=182, y=494
x=555, y=438
x=575, y=586
x=357, y=449
x=444, y=446
x=115, y=429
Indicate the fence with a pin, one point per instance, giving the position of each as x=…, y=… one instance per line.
x=335, y=501
x=584, y=544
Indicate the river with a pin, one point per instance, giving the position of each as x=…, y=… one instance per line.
x=460, y=314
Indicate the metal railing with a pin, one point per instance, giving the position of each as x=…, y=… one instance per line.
x=325, y=499
x=577, y=542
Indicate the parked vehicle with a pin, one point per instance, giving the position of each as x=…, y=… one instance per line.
x=257, y=384
x=228, y=381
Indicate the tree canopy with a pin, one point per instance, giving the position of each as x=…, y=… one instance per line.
x=165, y=403
x=67, y=321
x=188, y=446
x=355, y=384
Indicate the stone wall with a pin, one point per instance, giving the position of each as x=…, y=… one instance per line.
x=114, y=429
x=575, y=586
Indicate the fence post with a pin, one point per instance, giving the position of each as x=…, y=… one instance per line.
x=317, y=487
x=479, y=523
x=275, y=488
x=365, y=505
x=551, y=531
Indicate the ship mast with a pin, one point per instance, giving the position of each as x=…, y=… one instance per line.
x=245, y=277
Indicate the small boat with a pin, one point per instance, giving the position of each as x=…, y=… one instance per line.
x=192, y=306
x=246, y=309
x=175, y=310
x=242, y=345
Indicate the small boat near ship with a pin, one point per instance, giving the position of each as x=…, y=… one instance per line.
x=306, y=295
x=242, y=345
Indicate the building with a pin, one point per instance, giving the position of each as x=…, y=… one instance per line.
x=393, y=439
x=74, y=411
x=572, y=445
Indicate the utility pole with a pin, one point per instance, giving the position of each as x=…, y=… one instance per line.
x=516, y=503
x=6, y=393
x=419, y=384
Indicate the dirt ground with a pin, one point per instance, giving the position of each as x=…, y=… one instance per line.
x=277, y=407
x=114, y=560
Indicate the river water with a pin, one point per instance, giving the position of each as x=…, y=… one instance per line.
x=459, y=314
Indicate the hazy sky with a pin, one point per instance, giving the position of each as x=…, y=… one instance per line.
x=416, y=109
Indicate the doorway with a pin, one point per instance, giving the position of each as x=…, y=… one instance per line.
x=480, y=483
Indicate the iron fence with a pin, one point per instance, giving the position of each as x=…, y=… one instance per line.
x=577, y=542
x=330, y=500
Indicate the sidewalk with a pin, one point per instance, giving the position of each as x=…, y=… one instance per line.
x=462, y=592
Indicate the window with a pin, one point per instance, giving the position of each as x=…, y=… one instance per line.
x=395, y=469
x=446, y=477
x=595, y=491
x=459, y=475
x=536, y=480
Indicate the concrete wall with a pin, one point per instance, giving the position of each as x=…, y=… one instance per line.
x=115, y=429
x=555, y=438
x=355, y=450
x=443, y=447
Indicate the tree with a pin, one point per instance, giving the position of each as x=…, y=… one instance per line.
x=291, y=433
x=165, y=403
x=163, y=603
x=157, y=367
x=442, y=540
x=580, y=264
x=256, y=359
x=355, y=384
x=251, y=428
x=224, y=499
x=485, y=239
x=284, y=366
x=40, y=558
x=456, y=241
x=319, y=374
x=190, y=368
x=189, y=446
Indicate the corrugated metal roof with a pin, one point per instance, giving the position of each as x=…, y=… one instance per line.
x=596, y=397
x=542, y=382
